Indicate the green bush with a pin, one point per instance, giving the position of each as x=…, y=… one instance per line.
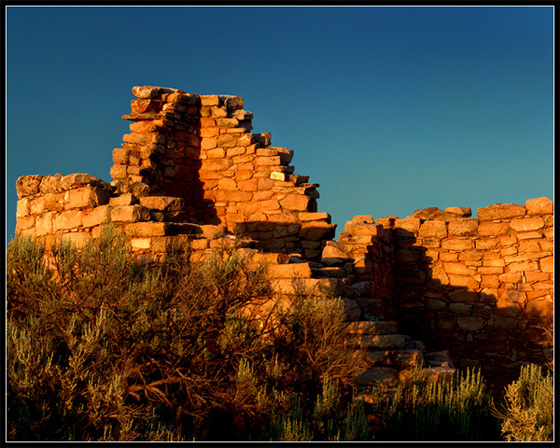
x=103, y=347
x=427, y=408
x=528, y=407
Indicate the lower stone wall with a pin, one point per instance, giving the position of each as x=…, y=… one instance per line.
x=482, y=288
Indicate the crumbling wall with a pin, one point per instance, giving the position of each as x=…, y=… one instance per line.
x=191, y=175
x=200, y=148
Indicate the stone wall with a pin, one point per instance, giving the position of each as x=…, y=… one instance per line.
x=192, y=175
x=200, y=148
x=480, y=287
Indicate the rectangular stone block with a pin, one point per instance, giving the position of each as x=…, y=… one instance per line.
x=490, y=228
x=527, y=224
x=130, y=213
x=25, y=223
x=86, y=197
x=123, y=199
x=140, y=243
x=71, y=219
x=296, y=270
x=97, y=216
x=22, y=207
x=457, y=244
x=141, y=229
x=44, y=224
x=463, y=227
x=524, y=266
x=500, y=211
x=433, y=229
x=233, y=196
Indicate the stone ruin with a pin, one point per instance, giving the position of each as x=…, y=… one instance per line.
x=477, y=291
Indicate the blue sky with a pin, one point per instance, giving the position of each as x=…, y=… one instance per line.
x=389, y=109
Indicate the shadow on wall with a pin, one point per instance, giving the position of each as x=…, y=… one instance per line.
x=483, y=321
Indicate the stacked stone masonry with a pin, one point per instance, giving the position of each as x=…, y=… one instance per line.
x=191, y=174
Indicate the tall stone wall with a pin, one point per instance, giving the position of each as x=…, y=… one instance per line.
x=200, y=148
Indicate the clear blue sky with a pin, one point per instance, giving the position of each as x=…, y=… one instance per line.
x=389, y=109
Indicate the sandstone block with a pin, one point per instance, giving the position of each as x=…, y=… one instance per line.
x=130, y=213
x=86, y=197
x=25, y=223
x=123, y=199
x=233, y=196
x=97, y=216
x=295, y=202
x=547, y=264
x=208, y=143
x=23, y=208
x=44, y=224
x=227, y=140
x=28, y=185
x=458, y=268
x=524, y=266
x=333, y=255
x=140, y=229
x=526, y=224
x=209, y=100
x=68, y=220
x=315, y=231
x=296, y=270
x=50, y=184
x=118, y=171
x=534, y=234
x=539, y=206
x=457, y=244
x=163, y=203
x=463, y=227
x=120, y=155
x=363, y=229
x=77, y=180
x=500, y=211
x=215, y=165
x=461, y=211
x=433, y=229
x=148, y=91
x=460, y=281
x=489, y=228
x=410, y=224
x=487, y=243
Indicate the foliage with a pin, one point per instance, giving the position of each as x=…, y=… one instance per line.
x=528, y=407
x=103, y=347
x=429, y=408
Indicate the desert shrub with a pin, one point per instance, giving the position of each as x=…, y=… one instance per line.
x=427, y=408
x=103, y=347
x=528, y=406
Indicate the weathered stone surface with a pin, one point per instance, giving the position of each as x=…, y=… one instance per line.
x=463, y=227
x=163, y=203
x=539, y=206
x=68, y=220
x=130, y=213
x=296, y=202
x=97, y=216
x=28, y=185
x=333, y=255
x=434, y=229
x=500, y=211
x=526, y=224
x=299, y=270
